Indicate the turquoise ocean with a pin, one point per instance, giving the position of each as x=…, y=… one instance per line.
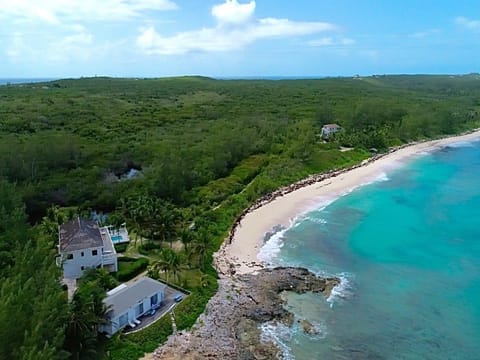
x=407, y=248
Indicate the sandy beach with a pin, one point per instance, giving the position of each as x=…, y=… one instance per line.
x=239, y=254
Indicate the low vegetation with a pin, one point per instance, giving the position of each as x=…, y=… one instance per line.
x=178, y=160
x=128, y=268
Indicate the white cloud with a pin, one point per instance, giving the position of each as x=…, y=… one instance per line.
x=16, y=46
x=59, y=11
x=232, y=12
x=270, y=27
x=468, y=23
x=328, y=41
x=76, y=44
x=424, y=34
x=54, y=30
x=347, y=41
x=243, y=30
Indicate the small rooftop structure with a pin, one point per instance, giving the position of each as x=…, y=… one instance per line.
x=79, y=234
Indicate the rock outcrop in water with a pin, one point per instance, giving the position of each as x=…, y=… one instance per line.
x=229, y=327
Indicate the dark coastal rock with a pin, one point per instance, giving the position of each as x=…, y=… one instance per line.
x=230, y=326
x=269, y=234
x=308, y=327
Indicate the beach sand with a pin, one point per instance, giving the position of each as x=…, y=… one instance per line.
x=241, y=253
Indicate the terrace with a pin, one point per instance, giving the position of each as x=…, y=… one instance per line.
x=117, y=235
x=167, y=305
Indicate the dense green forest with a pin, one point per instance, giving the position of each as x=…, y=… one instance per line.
x=202, y=150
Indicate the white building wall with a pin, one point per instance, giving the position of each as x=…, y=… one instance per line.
x=114, y=325
x=82, y=259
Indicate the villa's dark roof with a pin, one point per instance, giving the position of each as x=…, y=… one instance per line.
x=127, y=296
x=79, y=234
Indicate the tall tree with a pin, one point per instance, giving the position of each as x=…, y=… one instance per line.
x=34, y=308
x=169, y=262
x=87, y=313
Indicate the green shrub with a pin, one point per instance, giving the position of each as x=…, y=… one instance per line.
x=120, y=248
x=129, y=267
x=134, y=346
x=125, y=259
x=147, y=247
x=187, y=312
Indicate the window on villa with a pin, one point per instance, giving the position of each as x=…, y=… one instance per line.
x=140, y=309
x=69, y=256
x=82, y=253
x=123, y=319
x=82, y=268
x=154, y=299
x=94, y=252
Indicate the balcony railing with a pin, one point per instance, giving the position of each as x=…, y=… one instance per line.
x=109, y=259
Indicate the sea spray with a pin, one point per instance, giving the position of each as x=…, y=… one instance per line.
x=278, y=334
x=342, y=291
x=270, y=249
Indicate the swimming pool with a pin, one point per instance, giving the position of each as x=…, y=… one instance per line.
x=117, y=238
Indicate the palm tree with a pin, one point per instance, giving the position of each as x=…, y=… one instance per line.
x=134, y=209
x=51, y=221
x=169, y=262
x=164, y=221
x=186, y=236
x=87, y=313
x=200, y=248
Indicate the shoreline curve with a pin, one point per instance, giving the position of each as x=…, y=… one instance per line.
x=239, y=252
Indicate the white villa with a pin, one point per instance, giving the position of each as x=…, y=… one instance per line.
x=128, y=302
x=329, y=129
x=83, y=244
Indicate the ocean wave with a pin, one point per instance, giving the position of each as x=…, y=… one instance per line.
x=462, y=144
x=342, y=291
x=326, y=201
x=321, y=330
x=271, y=248
x=378, y=178
x=275, y=237
x=315, y=220
x=280, y=335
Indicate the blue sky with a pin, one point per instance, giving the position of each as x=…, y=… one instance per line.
x=152, y=38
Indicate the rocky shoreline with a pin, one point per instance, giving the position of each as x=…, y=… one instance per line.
x=229, y=327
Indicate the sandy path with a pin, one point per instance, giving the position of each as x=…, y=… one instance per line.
x=242, y=253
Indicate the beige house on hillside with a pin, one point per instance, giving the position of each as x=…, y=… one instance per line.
x=330, y=129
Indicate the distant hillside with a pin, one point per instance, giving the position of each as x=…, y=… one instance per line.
x=60, y=139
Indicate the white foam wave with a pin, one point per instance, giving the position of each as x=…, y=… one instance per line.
x=270, y=250
x=378, y=178
x=312, y=219
x=461, y=144
x=342, y=291
x=279, y=334
x=272, y=247
x=326, y=201
x=321, y=331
